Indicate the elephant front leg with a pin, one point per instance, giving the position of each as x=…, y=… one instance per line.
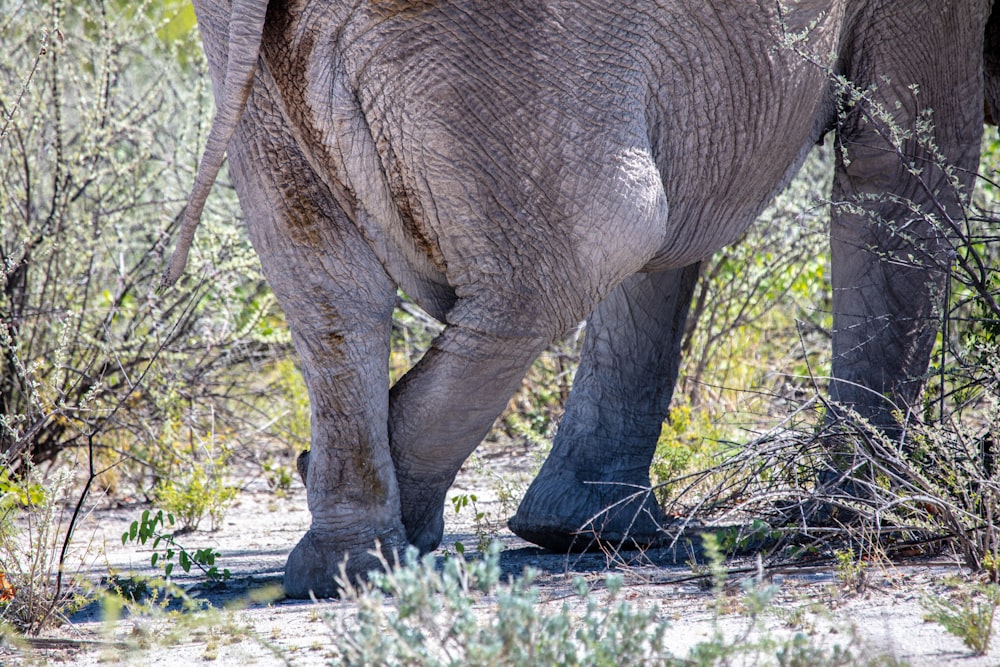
x=900, y=177
x=595, y=483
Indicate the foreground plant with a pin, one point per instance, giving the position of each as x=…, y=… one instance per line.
x=158, y=615
x=463, y=614
x=969, y=616
x=154, y=527
x=199, y=490
x=432, y=620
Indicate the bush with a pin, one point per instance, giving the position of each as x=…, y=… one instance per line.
x=688, y=442
x=932, y=480
x=432, y=621
x=104, y=106
x=970, y=617
x=761, y=313
x=97, y=152
x=198, y=491
x=463, y=614
x=33, y=593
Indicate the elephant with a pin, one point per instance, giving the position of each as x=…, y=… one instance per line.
x=518, y=166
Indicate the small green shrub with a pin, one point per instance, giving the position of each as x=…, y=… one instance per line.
x=153, y=527
x=969, y=616
x=851, y=570
x=15, y=493
x=200, y=491
x=278, y=476
x=488, y=523
x=688, y=442
x=484, y=531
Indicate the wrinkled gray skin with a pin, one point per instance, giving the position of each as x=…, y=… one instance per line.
x=516, y=166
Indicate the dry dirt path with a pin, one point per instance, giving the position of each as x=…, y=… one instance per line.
x=260, y=529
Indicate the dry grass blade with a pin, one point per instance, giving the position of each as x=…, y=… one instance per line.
x=810, y=489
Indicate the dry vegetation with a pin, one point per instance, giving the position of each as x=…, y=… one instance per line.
x=177, y=399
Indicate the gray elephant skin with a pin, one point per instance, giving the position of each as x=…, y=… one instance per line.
x=516, y=166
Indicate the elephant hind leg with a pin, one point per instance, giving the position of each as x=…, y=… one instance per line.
x=594, y=487
x=338, y=301
x=443, y=408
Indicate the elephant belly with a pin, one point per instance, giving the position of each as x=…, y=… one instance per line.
x=733, y=115
x=697, y=227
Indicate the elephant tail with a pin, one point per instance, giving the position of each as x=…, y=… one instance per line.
x=246, y=27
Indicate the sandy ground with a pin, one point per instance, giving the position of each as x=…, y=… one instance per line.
x=260, y=530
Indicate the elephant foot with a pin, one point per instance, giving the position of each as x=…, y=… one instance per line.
x=319, y=565
x=421, y=506
x=561, y=513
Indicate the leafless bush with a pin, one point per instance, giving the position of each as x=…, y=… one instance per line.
x=98, y=147
x=103, y=107
x=31, y=559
